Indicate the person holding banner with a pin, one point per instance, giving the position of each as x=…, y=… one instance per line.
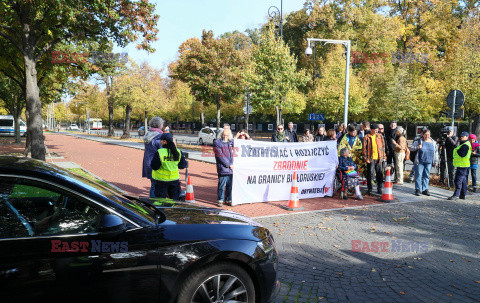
x=223, y=149
x=320, y=134
x=279, y=135
x=290, y=133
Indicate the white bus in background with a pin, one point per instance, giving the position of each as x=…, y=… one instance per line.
x=7, y=126
x=95, y=123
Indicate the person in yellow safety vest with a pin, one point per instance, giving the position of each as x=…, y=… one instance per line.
x=165, y=165
x=461, y=160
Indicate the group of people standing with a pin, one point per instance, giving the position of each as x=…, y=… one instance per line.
x=371, y=149
x=162, y=161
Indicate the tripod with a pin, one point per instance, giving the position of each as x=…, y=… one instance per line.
x=445, y=161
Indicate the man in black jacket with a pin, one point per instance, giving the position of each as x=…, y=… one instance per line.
x=290, y=133
x=447, y=144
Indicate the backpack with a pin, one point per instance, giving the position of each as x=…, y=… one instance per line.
x=413, y=154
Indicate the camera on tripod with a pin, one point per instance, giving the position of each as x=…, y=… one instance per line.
x=443, y=135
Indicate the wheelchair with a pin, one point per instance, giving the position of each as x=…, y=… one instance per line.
x=343, y=186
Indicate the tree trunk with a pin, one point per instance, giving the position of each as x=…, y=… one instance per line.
x=126, y=127
x=277, y=111
x=146, y=121
x=34, y=107
x=16, y=119
x=202, y=118
x=217, y=100
x=110, y=118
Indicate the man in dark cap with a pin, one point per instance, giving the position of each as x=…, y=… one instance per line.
x=461, y=160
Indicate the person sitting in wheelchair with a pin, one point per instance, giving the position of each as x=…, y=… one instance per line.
x=348, y=168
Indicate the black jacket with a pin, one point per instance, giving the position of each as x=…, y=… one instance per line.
x=157, y=163
x=292, y=135
x=319, y=138
x=463, y=150
x=450, y=145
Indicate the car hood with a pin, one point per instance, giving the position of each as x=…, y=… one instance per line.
x=189, y=213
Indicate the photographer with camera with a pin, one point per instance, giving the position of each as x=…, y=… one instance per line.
x=447, y=142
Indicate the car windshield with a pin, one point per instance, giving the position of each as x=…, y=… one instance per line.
x=114, y=194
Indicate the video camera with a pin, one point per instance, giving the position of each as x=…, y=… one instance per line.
x=443, y=136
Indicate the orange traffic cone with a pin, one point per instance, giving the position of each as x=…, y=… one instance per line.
x=294, y=202
x=387, y=194
x=189, y=197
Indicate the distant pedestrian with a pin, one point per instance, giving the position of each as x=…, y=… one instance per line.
x=290, y=133
x=364, y=130
x=400, y=148
x=223, y=149
x=242, y=134
x=341, y=130
x=390, y=136
x=165, y=164
x=426, y=157
x=307, y=136
x=279, y=135
x=320, y=135
x=152, y=145
x=474, y=160
x=461, y=160
x=374, y=155
x=331, y=135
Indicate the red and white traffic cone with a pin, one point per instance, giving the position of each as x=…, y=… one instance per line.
x=189, y=197
x=294, y=202
x=387, y=194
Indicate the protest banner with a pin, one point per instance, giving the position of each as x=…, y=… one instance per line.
x=263, y=170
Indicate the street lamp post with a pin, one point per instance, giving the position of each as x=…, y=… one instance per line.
x=346, y=43
x=274, y=12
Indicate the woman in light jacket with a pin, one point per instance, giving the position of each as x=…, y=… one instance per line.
x=427, y=156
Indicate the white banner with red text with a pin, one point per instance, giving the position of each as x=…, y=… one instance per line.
x=263, y=171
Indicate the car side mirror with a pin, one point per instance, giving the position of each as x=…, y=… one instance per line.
x=111, y=225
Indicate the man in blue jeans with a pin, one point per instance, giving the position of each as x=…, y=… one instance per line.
x=223, y=149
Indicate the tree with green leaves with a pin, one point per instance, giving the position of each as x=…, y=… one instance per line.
x=213, y=68
x=274, y=76
x=33, y=28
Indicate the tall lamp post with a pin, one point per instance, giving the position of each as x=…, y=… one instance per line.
x=346, y=43
x=274, y=13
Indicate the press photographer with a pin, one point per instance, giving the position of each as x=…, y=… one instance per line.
x=447, y=143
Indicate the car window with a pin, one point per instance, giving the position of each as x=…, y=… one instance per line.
x=30, y=209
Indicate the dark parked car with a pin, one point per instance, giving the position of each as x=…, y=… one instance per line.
x=63, y=237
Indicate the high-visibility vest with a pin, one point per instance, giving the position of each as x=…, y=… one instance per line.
x=168, y=171
x=462, y=161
